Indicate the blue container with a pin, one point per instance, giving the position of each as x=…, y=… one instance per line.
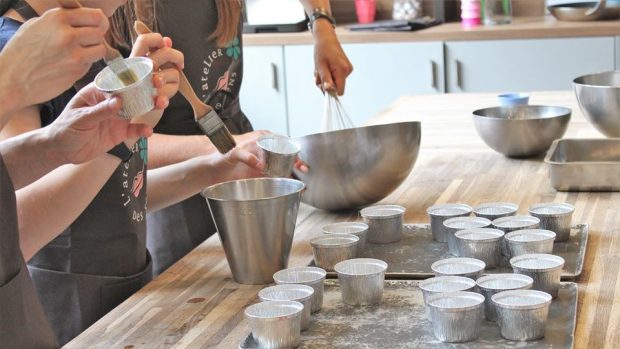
x=512, y=99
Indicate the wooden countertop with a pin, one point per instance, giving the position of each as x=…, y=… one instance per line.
x=521, y=28
x=196, y=305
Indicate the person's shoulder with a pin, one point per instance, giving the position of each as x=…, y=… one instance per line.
x=8, y=27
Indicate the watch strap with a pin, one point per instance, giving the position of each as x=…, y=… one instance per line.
x=320, y=12
x=121, y=151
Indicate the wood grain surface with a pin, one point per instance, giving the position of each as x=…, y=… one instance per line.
x=521, y=28
x=196, y=305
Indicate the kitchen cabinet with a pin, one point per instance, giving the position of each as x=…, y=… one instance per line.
x=382, y=73
x=263, y=91
x=525, y=65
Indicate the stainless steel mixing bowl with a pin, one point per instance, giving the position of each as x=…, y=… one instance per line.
x=358, y=166
x=521, y=131
x=599, y=99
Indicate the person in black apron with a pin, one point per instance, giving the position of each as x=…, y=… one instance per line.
x=215, y=72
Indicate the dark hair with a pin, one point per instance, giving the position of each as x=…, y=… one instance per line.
x=5, y=5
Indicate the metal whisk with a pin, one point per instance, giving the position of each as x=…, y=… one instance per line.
x=334, y=115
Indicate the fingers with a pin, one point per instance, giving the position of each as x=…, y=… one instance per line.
x=167, y=55
x=84, y=17
x=147, y=43
x=325, y=76
x=88, y=36
x=138, y=130
x=104, y=110
x=91, y=54
x=247, y=158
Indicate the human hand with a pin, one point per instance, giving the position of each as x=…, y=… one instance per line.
x=240, y=163
x=48, y=54
x=89, y=126
x=330, y=62
x=249, y=137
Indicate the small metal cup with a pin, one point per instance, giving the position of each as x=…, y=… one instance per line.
x=453, y=225
x=361, y=280
x=456, y=316
x=138, y=98
x=354, y=228
x=545, y=269
x=291, y=292
x=332, y=249
x=555, y=217
x=522, y=314
x=480, y=243
x=309, y=276
x=275, y=324
x=495, y=283
x=439, y=213
x=467, y=267
x=385, y=223
x=512, y=223
x=495, y=210
x=443, y=284
x=527, y=241
x=278, y=154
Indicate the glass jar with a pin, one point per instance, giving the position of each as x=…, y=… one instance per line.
x=497, y=12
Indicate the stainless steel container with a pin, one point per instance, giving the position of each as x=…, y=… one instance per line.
x=598, y=96
x=361, y=280
x=456, y=316
x=275, y=324
x=495, y=283
x=278, y=154
x=291, y=292
x=332, y=249
x=527, y=241
x=495, y=210
x=480, y=243
x=545, y=269
x=439, y=213
x=512, y=223
x=309, y=276
x=522, y=314
x=354, y=228
x=556, y=217
x=443, y=284
x=255, y=219
x=453, y=225
x=385, y=223
x=460, y=266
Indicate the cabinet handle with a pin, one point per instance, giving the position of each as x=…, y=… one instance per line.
x=433, y=75
x=274, y=74
x=459, y=77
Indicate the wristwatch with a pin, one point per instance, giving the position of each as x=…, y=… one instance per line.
x=121, y=151
x=320, y=12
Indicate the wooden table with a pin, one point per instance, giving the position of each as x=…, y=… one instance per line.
x=196, y=305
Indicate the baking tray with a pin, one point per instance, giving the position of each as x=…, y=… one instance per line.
x=584, y=164
x=399, y=322
x=411, y=258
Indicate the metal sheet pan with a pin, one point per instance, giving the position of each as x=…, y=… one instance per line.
x=584, y=164
x=399, y=322
x=411, y=258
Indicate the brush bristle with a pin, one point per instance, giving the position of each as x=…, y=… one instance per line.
x=223, y=140
x=128, y=76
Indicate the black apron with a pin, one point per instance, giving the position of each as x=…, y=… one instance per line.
x=215, y=73
x=22, y=321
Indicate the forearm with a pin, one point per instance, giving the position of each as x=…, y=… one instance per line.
x=165, y=150
x=48, y=206
x=310, y=5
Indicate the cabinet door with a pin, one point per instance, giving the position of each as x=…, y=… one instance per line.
x=525, y=65
x=381, y=73
x=263, y=91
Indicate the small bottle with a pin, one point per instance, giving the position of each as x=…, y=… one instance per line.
x=470, y=13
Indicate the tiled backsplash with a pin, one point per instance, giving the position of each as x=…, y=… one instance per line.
x=344, y=10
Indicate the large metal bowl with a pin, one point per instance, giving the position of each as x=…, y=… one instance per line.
x=599, y=99
x=521, y=131
x=580, y=11
x=358, y=166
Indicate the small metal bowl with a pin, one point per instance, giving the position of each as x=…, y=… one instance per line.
x=522, y=314
x=526, y=241
x=278, y=153
x=453, y=225
x=495, y=283
x=361, y=280
x=467, y=267
x=495, y=210
x=309, y=276
x=291, y=292
x=275, y=324
x=456, y=316
x=354, y=228
x=332, y=249
x=545, y=269
x=385, y=223
x=443, y=284
x=480, y=243
x=512, y=223
x=439, y=213
x=555, y=217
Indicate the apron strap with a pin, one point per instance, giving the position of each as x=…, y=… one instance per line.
x=25, y=10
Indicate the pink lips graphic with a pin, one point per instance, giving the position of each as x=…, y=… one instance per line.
x=138, y=182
